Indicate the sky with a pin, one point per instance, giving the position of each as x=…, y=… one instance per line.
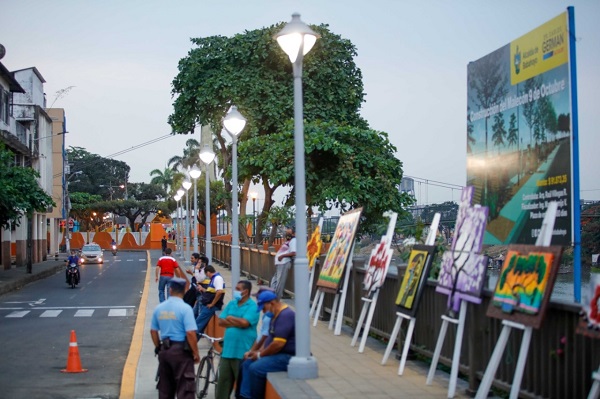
x=121, y=57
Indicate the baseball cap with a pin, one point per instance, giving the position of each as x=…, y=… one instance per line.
x=264, y=297
x=177, y=282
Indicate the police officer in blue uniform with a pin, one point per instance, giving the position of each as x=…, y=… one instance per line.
x=173, y=332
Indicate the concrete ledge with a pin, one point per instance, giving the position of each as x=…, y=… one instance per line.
x=280, y=386
x=17, y=283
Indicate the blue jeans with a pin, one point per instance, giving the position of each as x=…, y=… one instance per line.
x=163, y=281
x=204, y=317
x=197, y=306
x=254, y=374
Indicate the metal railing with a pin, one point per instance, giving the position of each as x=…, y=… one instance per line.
x=559, y=365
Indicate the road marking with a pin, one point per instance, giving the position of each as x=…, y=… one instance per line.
x=84, y=313
x=129, y=260
x=75, y=307
x=31, y=303
x=117, y=260
x=21, y=313
x=142, y=260
x=117, y=312
x=51, y=313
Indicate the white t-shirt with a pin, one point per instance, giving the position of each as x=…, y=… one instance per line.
x=286, y=248
x=200, y=275
x=219, y=283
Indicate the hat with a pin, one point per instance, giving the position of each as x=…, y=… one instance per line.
x=262, y=288
x=264, y=297
x=177, y=282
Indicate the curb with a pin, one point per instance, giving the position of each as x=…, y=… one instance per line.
x=19, y=283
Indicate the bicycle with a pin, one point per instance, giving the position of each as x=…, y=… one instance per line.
x=207, y=372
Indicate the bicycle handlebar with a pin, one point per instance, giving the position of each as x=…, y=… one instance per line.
x=212, y=339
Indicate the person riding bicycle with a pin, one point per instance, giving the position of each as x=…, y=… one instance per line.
x=73, y=258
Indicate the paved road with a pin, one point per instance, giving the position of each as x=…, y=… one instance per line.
x=35, y=325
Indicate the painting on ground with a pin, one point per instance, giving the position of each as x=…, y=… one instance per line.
x=313, y=247
x=377, y=266
x=525, y=284
x=415, y=276
x=589, y=324
x=339, y=251
x=520, y=120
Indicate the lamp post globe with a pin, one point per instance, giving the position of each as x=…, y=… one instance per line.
x=297, y=39
x=195, y=174
x=234, y=123
x=207, y=156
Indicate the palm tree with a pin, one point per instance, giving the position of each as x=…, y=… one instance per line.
x=513, y=132
x=499, y=130
x=190, y=156
x=165, y=178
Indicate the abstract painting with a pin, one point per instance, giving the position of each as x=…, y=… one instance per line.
x=589, y=324
x=313, y=247
x=525, y=284
x=415, y=276
x=339, y=251
x=378, y=265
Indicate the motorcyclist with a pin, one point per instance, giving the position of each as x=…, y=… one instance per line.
x=73, y=258
x=113, y=246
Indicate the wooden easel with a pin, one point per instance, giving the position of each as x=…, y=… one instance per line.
x=400, y=317
x=339, y=299
x=311, y=273
x=543, y=239
x=370, y=301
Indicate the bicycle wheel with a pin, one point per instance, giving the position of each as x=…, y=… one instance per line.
x=203, y=378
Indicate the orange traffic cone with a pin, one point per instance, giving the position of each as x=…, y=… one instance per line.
x=73, y=361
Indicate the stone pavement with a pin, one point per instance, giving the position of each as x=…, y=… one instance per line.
x=343, y=372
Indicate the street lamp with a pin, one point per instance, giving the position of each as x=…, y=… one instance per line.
x=234, y=123
x=254, y=195
x=180, y=194
x=195, y=174
x=207, y=156
x=176, y=198
x=186, y=186
x=296, y=39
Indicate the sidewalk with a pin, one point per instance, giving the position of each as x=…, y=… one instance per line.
x=17, y=277
x=343, y=372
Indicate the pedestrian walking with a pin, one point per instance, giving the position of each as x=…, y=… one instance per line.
x=173, y=333
x=283, y=261
x=163, y=244
x=239, y=318
x=166, y=268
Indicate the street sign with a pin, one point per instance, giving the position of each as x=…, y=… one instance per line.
x=71, y=223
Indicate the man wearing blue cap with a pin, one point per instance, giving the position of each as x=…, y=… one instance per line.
x=173, y=331
x=278, y=349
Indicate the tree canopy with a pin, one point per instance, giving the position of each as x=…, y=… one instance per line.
x=20, y=192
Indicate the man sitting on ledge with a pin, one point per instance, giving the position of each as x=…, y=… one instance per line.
x=279, y=347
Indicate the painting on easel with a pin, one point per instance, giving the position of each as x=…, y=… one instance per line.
x=589, y=324
x=525, y=284
x=378, y=265
x=339, y=251
x=313, y=247
x=415, y=276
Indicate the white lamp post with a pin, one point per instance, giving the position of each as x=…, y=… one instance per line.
x=176, y=198
x=180, y=193
x=296, y=39
x=207, y=156
x=195, y=174
x=234, y=123
x=254, y=196
x=186, y=186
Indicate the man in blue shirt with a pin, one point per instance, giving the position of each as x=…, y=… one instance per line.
x=239, y=318
x=72, y=259
x=176, y=346
x=279, y=347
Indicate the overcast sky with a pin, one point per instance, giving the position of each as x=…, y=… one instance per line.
x=121, y=56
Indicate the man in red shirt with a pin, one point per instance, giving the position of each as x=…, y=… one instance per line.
x=166, y=268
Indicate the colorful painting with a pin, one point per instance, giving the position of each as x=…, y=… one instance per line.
x=339, y=251
x=313, y=247
x=378, y=265
x=462, y=271
x=415, y=276
x=525, y=284
x=589, y=325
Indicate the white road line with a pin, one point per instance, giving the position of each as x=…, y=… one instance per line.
x=84, y=313
x=142, y=260
x=51, y=313
x=21, y=313
x=129, y=260
x=76, y=307
x=117, y=260
x=117, y=312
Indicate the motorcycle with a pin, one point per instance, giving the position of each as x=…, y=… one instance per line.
x=73, y=275
x=114, y=249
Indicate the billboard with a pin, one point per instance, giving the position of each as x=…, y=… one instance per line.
x=519, y=135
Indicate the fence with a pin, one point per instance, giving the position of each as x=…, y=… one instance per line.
x=560, y=363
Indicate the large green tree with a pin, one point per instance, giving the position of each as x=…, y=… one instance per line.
x=20, y=192
x=252, y=72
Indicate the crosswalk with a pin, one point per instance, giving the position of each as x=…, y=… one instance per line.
x=70, y=312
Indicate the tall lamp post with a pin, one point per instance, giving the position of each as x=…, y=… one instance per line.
x=180, y=194
x=254, y=196
x=234, y=123
x=177, y=198
x=195, y=174
x=207, y=156
x=296, y=39
x=186, y=186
